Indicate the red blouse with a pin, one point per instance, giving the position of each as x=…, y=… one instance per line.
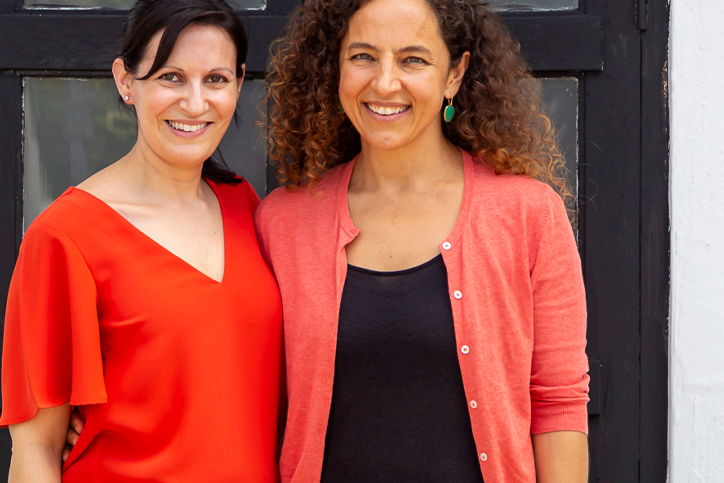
x=178, y=376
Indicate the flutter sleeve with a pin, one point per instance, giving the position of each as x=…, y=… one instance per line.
x=51, y=347
x=559, y=379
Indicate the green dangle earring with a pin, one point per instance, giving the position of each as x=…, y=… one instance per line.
x=449, y=111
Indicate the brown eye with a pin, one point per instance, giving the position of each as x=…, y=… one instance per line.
x=218, y=79
x=170, y=77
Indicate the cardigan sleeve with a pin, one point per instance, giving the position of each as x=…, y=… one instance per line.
x=51, y=349
x=559, y=379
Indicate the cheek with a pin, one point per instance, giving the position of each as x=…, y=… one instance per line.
x=225, y=103
x=153, y=103
x=427, y=90
x=352, y=82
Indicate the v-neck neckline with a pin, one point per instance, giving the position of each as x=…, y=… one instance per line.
x=143, y=234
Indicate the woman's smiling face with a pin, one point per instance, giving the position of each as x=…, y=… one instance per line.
x=394, y=72
x=185, y=107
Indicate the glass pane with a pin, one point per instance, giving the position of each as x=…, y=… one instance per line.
x=244, y=146
x=534, y=4
x=559, y=97
x=74, y=128
x=238, y=4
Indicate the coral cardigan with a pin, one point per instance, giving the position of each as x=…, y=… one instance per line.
x=518, y=305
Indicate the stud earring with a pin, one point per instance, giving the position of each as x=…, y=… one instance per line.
x=449, y=111
x=340, y=109
x=128, y=98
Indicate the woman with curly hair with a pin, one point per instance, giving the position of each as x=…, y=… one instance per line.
x=435, y=314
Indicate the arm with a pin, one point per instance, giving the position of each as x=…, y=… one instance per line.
x=561, y=457
x=38, y=446
x=559, y=383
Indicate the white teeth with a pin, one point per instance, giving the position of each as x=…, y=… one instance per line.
x=187, y=127
x=387, y=111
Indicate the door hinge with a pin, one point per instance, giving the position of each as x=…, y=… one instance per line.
x=642, y=14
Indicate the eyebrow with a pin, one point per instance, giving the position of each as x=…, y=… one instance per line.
x=411, y=48
x=362, y=45
x=169, y=66
x=415, y=48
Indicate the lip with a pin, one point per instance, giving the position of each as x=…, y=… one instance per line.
x=391, y=117
x=191, y=134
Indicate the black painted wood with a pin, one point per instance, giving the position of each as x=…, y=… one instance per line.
x=595, y=404
x=280, y=7
x=88, y=41
x=10, y=204
x=655, y=243
x=558, y=41
x=612, y=220
x=7, y=6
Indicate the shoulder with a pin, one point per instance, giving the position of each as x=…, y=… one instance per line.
x=70, y=214
x=242, y=188
x=305, y=203
x=515, y=209
x=53, y=238
x=241, y=191
x=512, y=195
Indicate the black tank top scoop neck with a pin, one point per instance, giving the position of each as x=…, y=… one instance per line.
x=399, y=412
x=397, y=273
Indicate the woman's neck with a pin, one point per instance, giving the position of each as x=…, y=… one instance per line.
x=153, y=177
x=410, y=167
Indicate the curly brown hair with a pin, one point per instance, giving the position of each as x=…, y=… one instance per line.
x=498, y=114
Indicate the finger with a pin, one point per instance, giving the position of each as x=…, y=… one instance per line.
x=76, y=422
x=66, y=452
x=72, y=437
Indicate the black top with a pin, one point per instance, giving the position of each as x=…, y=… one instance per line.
x=399, y=412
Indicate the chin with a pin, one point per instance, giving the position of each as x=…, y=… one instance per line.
x=189, y=160
x=388, y=145
x=386, y=142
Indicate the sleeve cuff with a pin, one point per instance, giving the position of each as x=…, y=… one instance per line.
x=569, y=417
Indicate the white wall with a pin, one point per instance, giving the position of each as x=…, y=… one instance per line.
x=696, y=404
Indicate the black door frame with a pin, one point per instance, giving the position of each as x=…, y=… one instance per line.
x=617, y=49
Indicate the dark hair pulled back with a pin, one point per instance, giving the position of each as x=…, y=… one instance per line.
x=148, y=17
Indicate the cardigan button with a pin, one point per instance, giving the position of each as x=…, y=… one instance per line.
x=447, y=245
x=465, y=349
x=458, y=294
x=483, y=457
x=473, y=404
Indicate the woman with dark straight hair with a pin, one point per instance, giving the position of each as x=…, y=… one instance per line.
x=141, y=296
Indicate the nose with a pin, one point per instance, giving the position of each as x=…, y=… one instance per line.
x=194, y=101
x=388, y=77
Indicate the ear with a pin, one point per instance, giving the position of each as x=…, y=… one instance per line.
x=455, y=77
x=124, y=80
x=241, y=81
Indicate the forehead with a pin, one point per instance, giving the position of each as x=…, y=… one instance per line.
x=395, y=23
x=198, y=44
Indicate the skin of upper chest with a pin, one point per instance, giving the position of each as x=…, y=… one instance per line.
x=193, y=232
x=402, y=229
